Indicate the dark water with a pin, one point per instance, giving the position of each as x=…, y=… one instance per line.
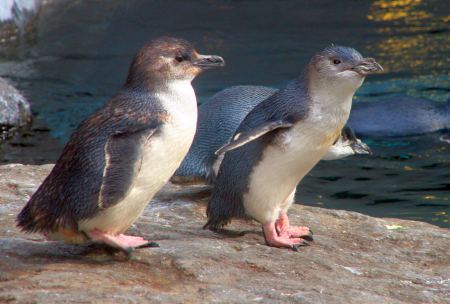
x=82, y=49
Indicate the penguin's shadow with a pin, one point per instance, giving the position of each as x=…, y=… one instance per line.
x=44, y=252
x=226, y=233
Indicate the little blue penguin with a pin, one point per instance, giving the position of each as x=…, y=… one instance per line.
x=281, y=140
x=399, y=116
x=123, y=153
x=218, y=119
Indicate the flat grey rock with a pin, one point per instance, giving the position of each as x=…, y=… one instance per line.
x=354, y=258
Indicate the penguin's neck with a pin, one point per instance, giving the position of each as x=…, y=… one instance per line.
x=178, y=99
x=330, y=99
x=176, y=91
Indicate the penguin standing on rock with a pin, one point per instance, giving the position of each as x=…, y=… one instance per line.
x=281, y=140
x=122, y=154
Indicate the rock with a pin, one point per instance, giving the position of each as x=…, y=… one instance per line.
x=17, y=9
x=354, y=258
x=33, y=145
x=17, y=18
x=14, y=108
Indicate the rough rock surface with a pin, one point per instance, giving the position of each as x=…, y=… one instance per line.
x=14, y=108
x=18, y=20
x=354, y=258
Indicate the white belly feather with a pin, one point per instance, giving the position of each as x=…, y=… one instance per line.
x=162, y=156
x=284, y=164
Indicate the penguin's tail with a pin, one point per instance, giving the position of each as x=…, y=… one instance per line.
x=30, y=220
x=36, y=217
x=215, y=225
x=218, y=217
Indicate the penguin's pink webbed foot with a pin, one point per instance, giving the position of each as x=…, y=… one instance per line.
x=273, y=239
x=126, y=243
x=284, y=229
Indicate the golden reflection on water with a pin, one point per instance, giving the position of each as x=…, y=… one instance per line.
x=398, y=9
x=415, y=36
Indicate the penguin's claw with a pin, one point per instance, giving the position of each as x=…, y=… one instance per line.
x=308, y=237
x=148, y=245
x=296, y=247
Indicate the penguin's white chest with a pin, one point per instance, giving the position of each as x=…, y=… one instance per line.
x=162, y=155
x=284, y=164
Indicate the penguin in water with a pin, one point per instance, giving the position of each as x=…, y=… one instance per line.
x=218, y=119
x=281, y=140
x=400, y=115
x=123, y=153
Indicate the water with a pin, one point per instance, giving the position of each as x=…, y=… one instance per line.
x=80, y=55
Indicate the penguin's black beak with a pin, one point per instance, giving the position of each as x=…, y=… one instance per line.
x=208, y=61
x=367, y=66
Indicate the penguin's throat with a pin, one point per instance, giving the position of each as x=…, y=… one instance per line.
x=178, y=90
x=331, y=92
x=179, y=101
x=331, y=105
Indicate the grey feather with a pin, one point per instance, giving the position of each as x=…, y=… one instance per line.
x=123, y=155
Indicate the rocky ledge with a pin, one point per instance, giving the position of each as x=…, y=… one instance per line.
x=14, y=109
x=354, y=258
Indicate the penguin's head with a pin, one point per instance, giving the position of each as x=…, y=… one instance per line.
x=166, y=59
x=343, y=65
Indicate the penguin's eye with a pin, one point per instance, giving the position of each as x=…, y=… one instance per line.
x=336, y=61
x=181, y=58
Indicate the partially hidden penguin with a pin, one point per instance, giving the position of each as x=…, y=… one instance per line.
x=400, y=115
x=281, y=140
x=122, y=154
x=218, y=119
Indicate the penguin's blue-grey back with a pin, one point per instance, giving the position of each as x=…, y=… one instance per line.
x=399, y=116
x=218, y=119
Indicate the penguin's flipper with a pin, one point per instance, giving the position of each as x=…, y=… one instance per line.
x=243, y=138
x=348, y=133
x=123, y=159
